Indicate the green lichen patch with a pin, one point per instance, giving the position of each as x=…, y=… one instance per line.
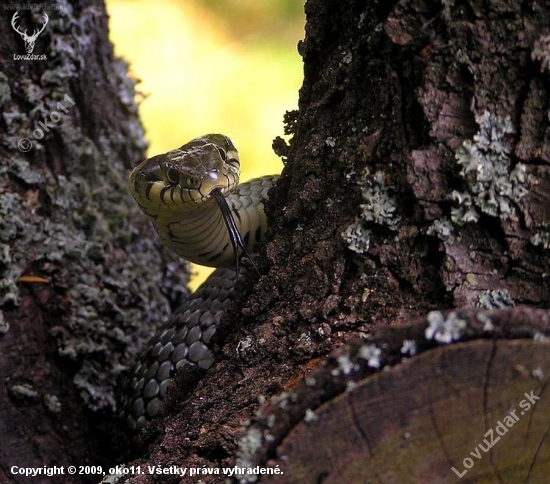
x=541, y=52
x=52, y=403
x=5, y=91
x=493, y=185
x=496, y=299
x=445, y=328
x=371, y=354
x=24, y=391
x=380, y=208
x=66, y=213
x=357, y=238
x=442, y=229
x=541, y=238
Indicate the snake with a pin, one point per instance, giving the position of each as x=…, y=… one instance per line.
x=198, y=208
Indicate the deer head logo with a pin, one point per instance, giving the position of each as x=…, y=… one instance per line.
x=29, y=39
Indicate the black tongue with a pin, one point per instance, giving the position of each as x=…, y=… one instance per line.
x=234, y=234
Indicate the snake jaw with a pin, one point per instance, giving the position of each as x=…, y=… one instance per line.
x=188, y=175
x=190, y=193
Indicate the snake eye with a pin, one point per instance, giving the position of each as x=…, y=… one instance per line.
x=172, y=175
x=223, y=154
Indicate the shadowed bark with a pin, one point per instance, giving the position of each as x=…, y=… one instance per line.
x=416, y=179
x=416, y=185
x=73, y=299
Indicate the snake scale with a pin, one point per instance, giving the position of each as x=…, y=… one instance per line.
x=193, y=198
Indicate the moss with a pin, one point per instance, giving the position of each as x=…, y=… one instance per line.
x=12, y=226
x=5, y=90
x=79, y=227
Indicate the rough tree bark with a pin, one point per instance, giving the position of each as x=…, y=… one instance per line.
x=414, y=210
x=72, y=250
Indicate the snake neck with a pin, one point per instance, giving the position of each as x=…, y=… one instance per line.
x=200, y=235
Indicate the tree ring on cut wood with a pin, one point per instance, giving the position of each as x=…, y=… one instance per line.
x=476, y=410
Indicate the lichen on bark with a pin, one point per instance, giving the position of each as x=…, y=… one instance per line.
x=74, y=303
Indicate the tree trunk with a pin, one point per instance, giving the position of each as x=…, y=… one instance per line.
x=413, y=210
x=73, y=300
x=416, y=181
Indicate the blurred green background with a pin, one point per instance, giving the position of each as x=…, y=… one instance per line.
x=227, y=66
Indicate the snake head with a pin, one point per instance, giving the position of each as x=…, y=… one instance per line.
x=188, y=174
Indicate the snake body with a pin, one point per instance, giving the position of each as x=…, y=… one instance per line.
x=176, y=191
